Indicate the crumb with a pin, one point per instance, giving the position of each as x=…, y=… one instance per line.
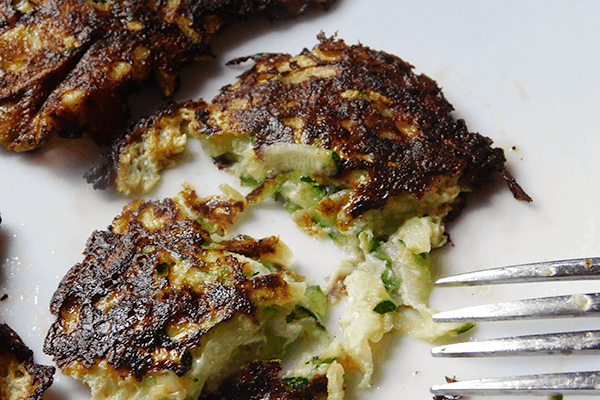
x=440, y=397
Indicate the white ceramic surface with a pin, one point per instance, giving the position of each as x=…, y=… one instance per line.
x=525, y=74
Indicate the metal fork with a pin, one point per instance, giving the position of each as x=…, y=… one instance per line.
x=578, y=305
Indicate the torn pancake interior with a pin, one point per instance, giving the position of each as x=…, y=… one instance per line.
x=161, y=305
x=20, y=377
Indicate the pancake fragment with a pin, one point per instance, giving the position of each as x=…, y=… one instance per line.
x=353, y=119
x=137, y=159
x=67, y=67
x=20, y=377
x=161, y=304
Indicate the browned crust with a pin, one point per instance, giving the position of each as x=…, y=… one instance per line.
x=41, y=376
x=104, y=174
x=129, y=263
x=261, y=380
x=106, y=33
x=398, y=162
x=251, y=248
x=8, y=16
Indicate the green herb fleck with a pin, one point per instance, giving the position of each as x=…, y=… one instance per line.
x=464, y=328
x=269, y=265
x=421, y=259
x=206, y=225
x=302, y=312
x=337, y=161
x=290, y=206
x=557, y=397
x=385, y=306
x=335, y=235
x=150, y=380
x=323, y=223
x=316, y=185
x=374, y=244
x=186, y=358
x=277, y=196
x=248, y=180
x=162, y=269
x=296, y=382
x=316, y=360
x=382, y=255
x=307, y=179
x=210, y=245
x=390, y=280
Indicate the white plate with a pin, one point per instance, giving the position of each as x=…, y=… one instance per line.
x=523, y=73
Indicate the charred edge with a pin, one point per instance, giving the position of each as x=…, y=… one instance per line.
x=261, y=380
x=41, y=376
x=115, y=264
x=105, y=37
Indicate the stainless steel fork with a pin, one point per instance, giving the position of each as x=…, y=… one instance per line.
x=577, y=305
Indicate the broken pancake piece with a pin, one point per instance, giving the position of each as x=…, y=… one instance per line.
x=20, y=377
x=161, y=304
x=345, y=133
x=137, y=159
x=67, y=67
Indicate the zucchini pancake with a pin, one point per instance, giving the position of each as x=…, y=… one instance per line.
x=67, y=67
x=357, y=147
x=20, y=377
x=161, y=305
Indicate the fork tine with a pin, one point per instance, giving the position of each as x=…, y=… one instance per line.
x=576, y=269
x=564, y=343
x=576, y=383
x=577, y=305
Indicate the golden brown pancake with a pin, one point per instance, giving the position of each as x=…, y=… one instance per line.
x=68, y=66
x=367, y=106
x=20, y=377
x=158, y=307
